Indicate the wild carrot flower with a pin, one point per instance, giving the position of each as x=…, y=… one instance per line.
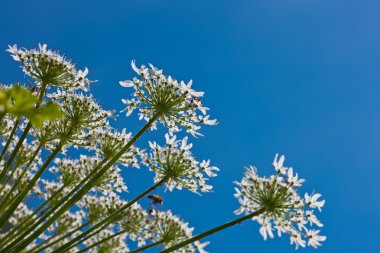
x=174, y=102
x=177, y=165
x=285, y=211
x=115, y=244
x=170, y=230
x=72, y=171
x=82, y=115
x=50, y=67
x=107, y=142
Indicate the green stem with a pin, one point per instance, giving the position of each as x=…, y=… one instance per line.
x=8, y=142
x=28, y=239
x=20, y=197
x=212, y=231
x=82, y=240
x=31, y=160
x=67, y=196
x=22, y=138
x=40, y=247
x=25, y=222
x=2, y=115
x=110, y=218
x=147, y=246
x=15, y=151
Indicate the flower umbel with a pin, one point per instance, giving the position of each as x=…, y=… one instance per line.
x=50, y=67
x=176, y=103
x=171, y=230
x=176, y=163
x=285, y=210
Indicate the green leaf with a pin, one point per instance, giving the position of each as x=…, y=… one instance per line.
x=20, y=102
x=23, y=101
x=50, y=111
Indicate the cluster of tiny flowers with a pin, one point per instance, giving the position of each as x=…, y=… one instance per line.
x=175, y=164
x=82, y=115
x=108, y=142
x=135, y=221
x=66, y=222
x=99, y=207
x=72, y=172
x=283, y=209
x=115, y=243
x=6, y=124
x=20, y=214
x=50, y=67
x=171, y=230
x=174, y=103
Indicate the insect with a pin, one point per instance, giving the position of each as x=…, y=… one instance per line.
x=156, y=199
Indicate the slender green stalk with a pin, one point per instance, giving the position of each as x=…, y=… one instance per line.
x=8, y=164
x=26, y=238
x=110, y=218
x=2, y=115
x=31, y=160
x=214, y=230
x=41, y=246
x=25, y=222
x=82, y=240
x=52, y=209
x=20, y=197
x=147, y=246
x=15, y=126
x=23, y=136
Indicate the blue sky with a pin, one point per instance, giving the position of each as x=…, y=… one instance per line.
x=299, y=77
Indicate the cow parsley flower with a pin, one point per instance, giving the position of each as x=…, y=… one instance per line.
x=285, y=211
x=99, y=207
x=67, y=222
x=115, y=244
x=135, y=221
x=175, y=163
x=81, y=114
x=71, y=172
x=50, y=67
x=173, y=102
x=171, y=230
x=108, y=141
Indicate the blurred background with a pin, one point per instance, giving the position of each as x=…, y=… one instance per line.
x=296, y=77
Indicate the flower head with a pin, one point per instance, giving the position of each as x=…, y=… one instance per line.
x=50, y=67
x=283, y=208
x=71, y=172
x=174, y=103
x=175, y=163
x=115, y=243
x=82, y=115
x=171, y=230
x=107, y=141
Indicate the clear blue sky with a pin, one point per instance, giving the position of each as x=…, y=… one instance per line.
x=299, y=77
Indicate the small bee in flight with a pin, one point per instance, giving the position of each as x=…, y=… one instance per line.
x=156, y=199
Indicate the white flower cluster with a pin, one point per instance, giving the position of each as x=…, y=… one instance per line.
x=176, y=164
x=107, y=142
x=284, y=210
x=135, y=221
x=50, y=67
x=82, y=115
x=116, y=243
x=72, y=171
x=170, y=230
x=175, y=103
